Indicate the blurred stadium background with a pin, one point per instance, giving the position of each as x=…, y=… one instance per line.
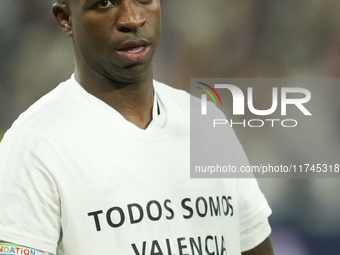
x=219, y=38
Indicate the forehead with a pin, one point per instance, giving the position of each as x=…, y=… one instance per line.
x=84, y=1
x=75, y=4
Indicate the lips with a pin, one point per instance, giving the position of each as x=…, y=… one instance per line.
x=134, y=51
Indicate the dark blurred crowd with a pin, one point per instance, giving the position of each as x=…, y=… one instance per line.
x=34, y=55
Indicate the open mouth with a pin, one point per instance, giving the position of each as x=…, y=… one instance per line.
x=134, y=51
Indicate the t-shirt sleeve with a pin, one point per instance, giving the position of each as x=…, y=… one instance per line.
x=255, y=235
x=8, y=248
x=252, y=205
x=253, y=212
x=30, y=210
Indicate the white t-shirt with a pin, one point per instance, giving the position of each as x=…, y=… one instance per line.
x=77, y=178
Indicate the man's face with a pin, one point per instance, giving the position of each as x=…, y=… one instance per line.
x=116, y=38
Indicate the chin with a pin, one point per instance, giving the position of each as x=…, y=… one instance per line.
x=138, y=71
x=133, y=75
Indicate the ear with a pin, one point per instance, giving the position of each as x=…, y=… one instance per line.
x=62, y=14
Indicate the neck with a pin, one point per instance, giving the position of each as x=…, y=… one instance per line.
x=133, y=100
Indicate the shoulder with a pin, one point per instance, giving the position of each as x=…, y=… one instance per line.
x=170, y=92
x=177, y=99
x=50, y=113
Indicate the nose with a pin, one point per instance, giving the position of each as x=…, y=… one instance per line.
x=129, y=17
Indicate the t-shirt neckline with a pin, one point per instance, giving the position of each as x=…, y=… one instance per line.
x=157, y=129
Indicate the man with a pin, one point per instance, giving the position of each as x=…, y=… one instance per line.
x=101, y=164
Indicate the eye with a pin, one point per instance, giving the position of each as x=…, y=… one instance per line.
x=145, y=1
x=104, y=4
